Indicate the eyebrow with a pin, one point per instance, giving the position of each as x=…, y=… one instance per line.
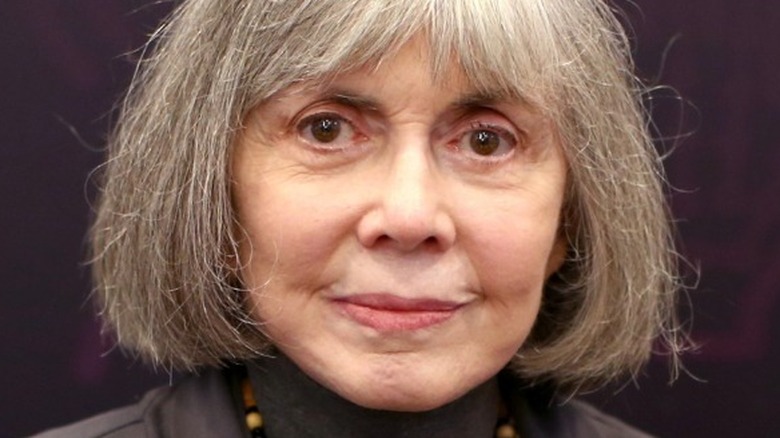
x=468, y=101
x=355, y=100
x=478, y=100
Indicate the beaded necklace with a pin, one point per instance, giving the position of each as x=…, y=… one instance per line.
x=254, y=420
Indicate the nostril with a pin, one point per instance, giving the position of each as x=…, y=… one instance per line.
x=430, y=242
x=383, y=240
x=388, y=241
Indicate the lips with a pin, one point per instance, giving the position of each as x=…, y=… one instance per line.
x=391, y=313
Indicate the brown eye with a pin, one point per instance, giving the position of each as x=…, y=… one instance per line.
x=487, y=142
x=328, y=131
x=484, y=142
x=325, y=129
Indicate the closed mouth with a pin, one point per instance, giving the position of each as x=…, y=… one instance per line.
x=391, y=313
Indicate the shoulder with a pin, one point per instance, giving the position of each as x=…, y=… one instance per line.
x=582, y=419
x=540, y=414
x=128, y=421
x=555, y=418
x=199, y=405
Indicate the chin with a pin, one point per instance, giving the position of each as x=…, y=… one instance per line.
x=419, y=401
x=407, y=390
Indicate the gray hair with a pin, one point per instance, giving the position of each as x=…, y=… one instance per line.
x=165, y=238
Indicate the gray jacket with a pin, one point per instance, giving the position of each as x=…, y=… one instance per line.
x=206, y=406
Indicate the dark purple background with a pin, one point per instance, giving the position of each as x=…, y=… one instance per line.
x=66, y=62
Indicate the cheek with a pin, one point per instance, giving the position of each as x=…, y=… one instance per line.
x=290, y=235
x=510, y=256
x=512, y=277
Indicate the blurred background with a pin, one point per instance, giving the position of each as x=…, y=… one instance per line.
x=66, y=63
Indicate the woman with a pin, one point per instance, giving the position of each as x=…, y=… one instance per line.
x=383, y=218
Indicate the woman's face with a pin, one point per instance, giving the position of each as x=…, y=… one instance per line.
x=399, y=229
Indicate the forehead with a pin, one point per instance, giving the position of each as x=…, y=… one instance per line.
x=406, y=71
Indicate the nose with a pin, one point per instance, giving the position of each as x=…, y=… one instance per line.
x=409, y=210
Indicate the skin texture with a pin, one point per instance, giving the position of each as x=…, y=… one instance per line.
x=393, y=263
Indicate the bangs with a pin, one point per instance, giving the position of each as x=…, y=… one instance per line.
x=506, y=49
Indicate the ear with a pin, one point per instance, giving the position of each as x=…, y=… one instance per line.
x=557, y=255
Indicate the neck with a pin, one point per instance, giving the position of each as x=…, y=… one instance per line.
x=292, y=404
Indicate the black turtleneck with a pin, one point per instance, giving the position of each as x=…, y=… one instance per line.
x=294, y=405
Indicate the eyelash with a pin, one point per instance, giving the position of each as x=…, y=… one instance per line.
x=500, y=130
x=503, y=134
x=306, y=123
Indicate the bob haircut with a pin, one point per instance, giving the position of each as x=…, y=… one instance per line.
x=165, y=237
